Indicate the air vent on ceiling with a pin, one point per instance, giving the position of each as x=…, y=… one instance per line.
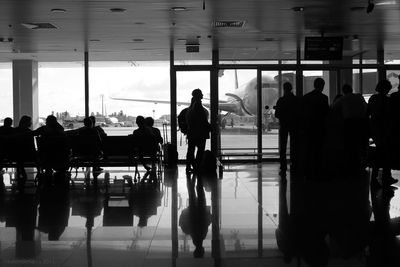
x=40, y=25
x=228, y=23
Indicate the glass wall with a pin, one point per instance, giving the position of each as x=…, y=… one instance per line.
x=238, y=109
x=62, y=92
x=271, y=89
x=6, y=91
x=120, y=91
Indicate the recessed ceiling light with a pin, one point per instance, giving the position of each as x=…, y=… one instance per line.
x=139, y=23
x=117, y=10
x=94, y=40
x=178, y=8
x=298, y=8
x=58, y=10
x=138, y=40
x=182, y=39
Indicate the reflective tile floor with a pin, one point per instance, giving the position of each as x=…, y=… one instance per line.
x=249, y=216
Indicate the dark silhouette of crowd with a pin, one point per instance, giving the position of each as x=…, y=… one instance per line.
x=343, y=138
x=51, y=152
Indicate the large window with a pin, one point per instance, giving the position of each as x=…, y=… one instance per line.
x=62, y=91
x=120, y=91
x=6, y=91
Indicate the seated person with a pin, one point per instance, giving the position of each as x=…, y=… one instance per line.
x=92, y=142
x=53, y=146
x=51, y=128
x=24, y=147
x=98, y=128
x=5, y=132
x=149, y=122
x=145, y=142
x=7, y=128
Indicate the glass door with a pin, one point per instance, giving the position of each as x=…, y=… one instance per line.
x=186, y=82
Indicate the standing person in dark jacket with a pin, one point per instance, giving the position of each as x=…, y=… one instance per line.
x=198, y=130
x=315, y=108
x=286, y=111
x=378, y=113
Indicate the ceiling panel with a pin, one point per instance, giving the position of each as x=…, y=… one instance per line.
x=148, y=29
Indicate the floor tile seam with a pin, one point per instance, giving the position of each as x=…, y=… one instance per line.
x=256, y=199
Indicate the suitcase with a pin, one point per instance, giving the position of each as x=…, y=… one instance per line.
x=169, y=150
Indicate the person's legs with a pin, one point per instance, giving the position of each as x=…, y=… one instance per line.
x=190, y=154
x=283, y=137
x=201, y=145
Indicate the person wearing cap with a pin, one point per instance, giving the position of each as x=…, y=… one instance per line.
x=198, y=130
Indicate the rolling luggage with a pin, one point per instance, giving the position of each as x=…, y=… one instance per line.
x=169, y=150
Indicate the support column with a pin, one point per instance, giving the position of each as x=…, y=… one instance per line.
x=260, y=108
x=214, y=103
x=174, y=139
x=86, y=84
x=25, y=90
x=381, y=65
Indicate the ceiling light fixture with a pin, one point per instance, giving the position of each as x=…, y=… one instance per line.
x=58, y=10
x=370, y=6
x=138, y=40
x=117, y=10
x=178, y=8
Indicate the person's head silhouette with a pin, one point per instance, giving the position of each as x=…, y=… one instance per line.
x=51, y=121
x=383, y=87
x=88, y=122
x=346, y=89
x=287, y=88
x=25, y=122
x=8, y=122
x=197, y=94
x=149, y=121
x=140, y=121
x=319, y=84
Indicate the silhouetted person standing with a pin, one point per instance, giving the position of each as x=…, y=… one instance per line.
x=355, y=128
x=394, y=128
x=198, y=130
x=286, y=110
x=315, y=107
x=378, y=113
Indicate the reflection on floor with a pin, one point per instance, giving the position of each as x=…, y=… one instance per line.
x=249, y=216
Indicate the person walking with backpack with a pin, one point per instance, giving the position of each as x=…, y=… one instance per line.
x=198, y=131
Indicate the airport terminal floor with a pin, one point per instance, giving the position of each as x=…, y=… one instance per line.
x=247, y=215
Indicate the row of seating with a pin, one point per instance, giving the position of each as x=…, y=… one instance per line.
x=72, y=151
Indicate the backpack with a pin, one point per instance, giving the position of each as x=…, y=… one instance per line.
x=183, y=126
